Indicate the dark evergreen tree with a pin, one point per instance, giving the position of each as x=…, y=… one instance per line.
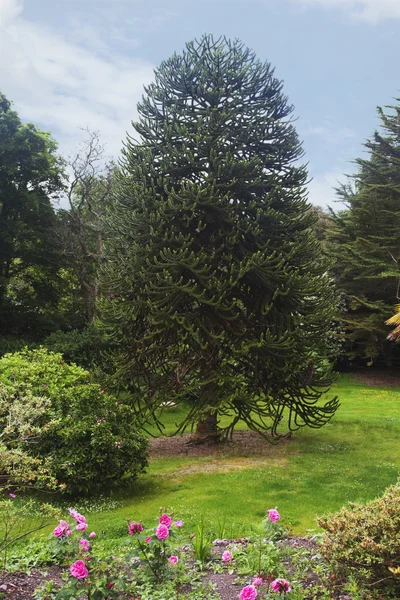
x=216, y=292
x=366, y=244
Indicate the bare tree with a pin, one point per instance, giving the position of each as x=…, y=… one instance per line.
x=82, y=223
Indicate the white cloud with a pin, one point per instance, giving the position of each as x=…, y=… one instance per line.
x=322, y=189
x=367, y=10
x=64, y=84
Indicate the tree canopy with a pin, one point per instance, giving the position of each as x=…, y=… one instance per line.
x=30, y=175
x=366, y=244
x=216, y=294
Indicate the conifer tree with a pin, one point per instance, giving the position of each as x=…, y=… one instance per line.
x=366, y=244
x=217, y=296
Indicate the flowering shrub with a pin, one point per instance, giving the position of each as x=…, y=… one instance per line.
x=90, y=577
x=273, y=528
x=88, y=439
x=363, y=541
x=153, y=552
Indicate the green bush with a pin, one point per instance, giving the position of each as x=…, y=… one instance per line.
x=10, y=343
x=363, y=541
x=81, y=347
x=89, y=438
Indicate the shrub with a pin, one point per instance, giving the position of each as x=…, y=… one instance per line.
x=10, y=343
x=89, y=439
x=81, y=347
x=363, y=541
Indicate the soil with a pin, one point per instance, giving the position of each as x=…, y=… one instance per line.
x=245, y=443
x=377, y=377
x=20, y=586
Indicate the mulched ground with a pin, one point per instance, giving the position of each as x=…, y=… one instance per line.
x=245, y=443
x=377, y=377
x=20, y=586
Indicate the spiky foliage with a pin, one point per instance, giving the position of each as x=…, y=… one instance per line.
x=366, y=243
x=216, y=294
x=394, y=335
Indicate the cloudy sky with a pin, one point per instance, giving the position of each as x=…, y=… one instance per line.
x=70, y=64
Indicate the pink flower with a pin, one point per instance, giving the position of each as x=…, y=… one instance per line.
x=84, y=544
x=110, y=585
x=81, y=527
x=12, y=495
x=134, y=528
x=273, y=515
x=165, y=520
x=75, y=515
x=257, y=581
x=162, y=532
x=248, y=593
x=173, y=560
x=178, y=523
x=92, y=535
x=280, y=586
x=61, y=529
x=79, y=570
x=68, y=533
x=148, y=540
x=58, y=531
x=226, y=556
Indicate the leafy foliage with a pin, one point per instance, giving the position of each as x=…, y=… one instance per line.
x=215, y=291
x=83, y=347
x=88, y=438
x=31, y=174
x=19, y=519
x=363, y=541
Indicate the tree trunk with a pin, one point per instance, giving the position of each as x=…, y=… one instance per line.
x=207, y=430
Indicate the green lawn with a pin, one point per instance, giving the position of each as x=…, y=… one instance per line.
x=352, y=458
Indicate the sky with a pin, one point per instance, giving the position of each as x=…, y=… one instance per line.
x=72, y=64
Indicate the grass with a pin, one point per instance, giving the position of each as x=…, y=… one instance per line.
x=353, y=458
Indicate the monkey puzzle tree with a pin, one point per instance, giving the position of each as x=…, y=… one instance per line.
x=216, y=294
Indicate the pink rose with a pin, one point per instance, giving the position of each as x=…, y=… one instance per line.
x=61, y=529
x=58, y=531
x=84, y=544
x=75, y=515
x=173, y=560
x=148, y=540
x=134, y=528
x=178, y=523
x=273, y=515
x=92, y=535
x=162, y=532
x=226, y=556
x=79, y=570
x=81, y=527
x=280, y=586
x=68, y=533
x=248, y=593
x=165, y=520
x=257, y=581
x=12, y=495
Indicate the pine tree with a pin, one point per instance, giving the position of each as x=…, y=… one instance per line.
x=366, y=244
x=217, y=296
